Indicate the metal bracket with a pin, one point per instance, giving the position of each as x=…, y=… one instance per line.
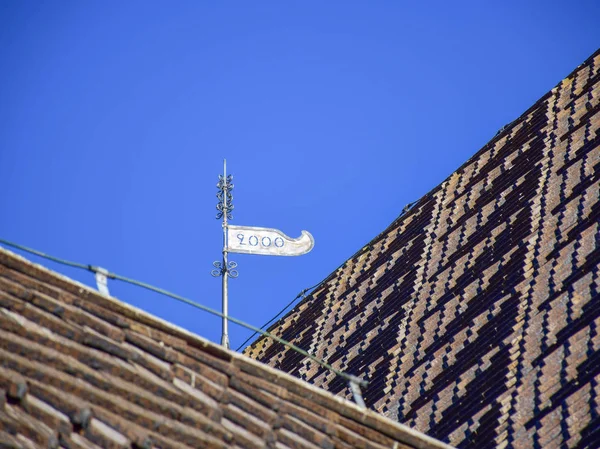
x=102, y=280
x=355, y=383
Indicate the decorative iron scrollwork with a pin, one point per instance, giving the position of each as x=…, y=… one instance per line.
x=216, y=273
x=220, y=270
x=225, y=204
x=231, y=269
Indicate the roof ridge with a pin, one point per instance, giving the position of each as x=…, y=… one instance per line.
x=246, y=364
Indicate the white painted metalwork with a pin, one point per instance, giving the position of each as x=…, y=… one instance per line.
x=247, y=240
x=356, y=393
x=102, y=280
x=266, y=241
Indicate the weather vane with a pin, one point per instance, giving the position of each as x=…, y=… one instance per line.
x=247, y=240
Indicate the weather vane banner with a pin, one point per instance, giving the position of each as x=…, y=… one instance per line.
x=266, y=241
x=247, y=240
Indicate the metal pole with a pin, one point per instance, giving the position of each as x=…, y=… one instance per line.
x=225, y=291
x=225, y=268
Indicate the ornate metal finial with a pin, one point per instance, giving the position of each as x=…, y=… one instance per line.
x=225, y=204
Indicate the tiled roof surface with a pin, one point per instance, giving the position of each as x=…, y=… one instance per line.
x=81, y=370
x=476, y=316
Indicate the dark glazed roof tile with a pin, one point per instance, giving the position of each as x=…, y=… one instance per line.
x=475, y=316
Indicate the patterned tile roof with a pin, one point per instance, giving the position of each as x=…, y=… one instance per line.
x=476, y=315
x=79, y=370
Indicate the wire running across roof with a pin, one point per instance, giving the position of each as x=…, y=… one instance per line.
x=476, y=315
x=81, y=370
x=110, y=275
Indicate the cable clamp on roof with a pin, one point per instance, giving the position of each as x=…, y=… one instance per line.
x=355, y=384
x=102, y=280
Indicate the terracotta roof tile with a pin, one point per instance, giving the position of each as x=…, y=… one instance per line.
x=81, y=370
x=475, y=315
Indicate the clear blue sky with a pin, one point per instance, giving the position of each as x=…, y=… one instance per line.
x=115, y=118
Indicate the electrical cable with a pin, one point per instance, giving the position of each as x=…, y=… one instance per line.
x=306, y=290
x=301, y=294
x=348, y=377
